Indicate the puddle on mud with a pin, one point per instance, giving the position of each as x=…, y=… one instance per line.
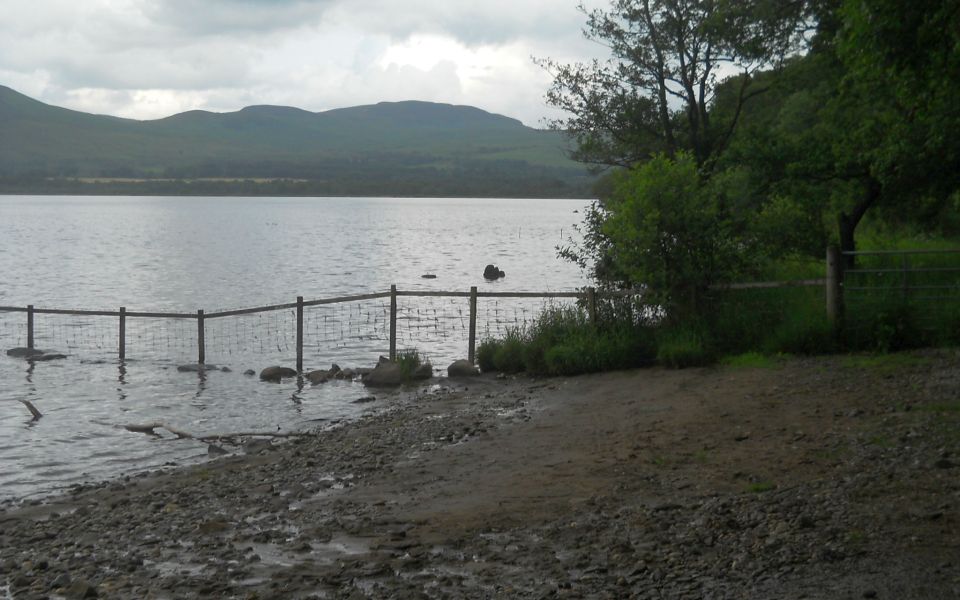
x=275, y=555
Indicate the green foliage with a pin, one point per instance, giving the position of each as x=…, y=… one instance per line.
x=562, y=342
x=486, y=352
x=509, y=354
x=750, y=360
x=409, y=361
x=665, y=229
x=805, y=330
x=682, y=346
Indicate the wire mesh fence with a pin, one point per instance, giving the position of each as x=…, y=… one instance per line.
x=350, y=331
x=893, y=294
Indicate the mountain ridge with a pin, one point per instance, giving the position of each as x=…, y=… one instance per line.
x=423, y=145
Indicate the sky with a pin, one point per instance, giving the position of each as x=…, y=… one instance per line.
x=147, y=59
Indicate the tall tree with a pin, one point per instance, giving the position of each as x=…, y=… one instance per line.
x=902, y=60
x=655, y=91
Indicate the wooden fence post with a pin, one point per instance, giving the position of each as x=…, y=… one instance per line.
x=30, y=326
x=834, y=288
x=471, y=351
x=393, y=322
x=592, y=305
x=200, y=346
x=123, y=333
x=299, y=334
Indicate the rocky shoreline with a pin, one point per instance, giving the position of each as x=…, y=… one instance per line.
x=819, y=478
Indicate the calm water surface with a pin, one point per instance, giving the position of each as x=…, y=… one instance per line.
x=184, y=254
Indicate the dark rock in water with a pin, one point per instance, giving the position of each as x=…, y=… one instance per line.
x=226, y=370
x=386, y=374
x=493, y=272
x=23, y=352
x=318, y=377
x=276, y=373
x=215, y=450
x=424, y=371
x=46, y=357
x=364, y=400
x=249, y=372
x=428, y=276
x=197, y=368
x=462, y=368
x=322, y=376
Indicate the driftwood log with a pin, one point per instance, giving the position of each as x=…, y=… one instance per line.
x=229, y=438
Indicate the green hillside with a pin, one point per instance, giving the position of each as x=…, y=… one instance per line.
x=417, y=148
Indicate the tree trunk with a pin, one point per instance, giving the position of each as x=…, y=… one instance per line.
x=848, y=222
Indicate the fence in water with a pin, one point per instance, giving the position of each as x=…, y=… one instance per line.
x=332, y=327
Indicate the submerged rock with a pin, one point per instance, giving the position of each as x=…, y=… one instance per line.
x=197, y=368
x=23, y=352
x=493, y=272
x=275, y=373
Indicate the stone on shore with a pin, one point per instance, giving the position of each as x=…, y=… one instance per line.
x=385, y=374
x=424, y=371
x=462, y=368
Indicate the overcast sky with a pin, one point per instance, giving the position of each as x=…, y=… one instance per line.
x=146, y=59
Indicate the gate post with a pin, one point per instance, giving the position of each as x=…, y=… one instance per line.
x=471, y=351
x=299, y=334
x=123, y=333
x=393, y=322
x=834, y=285
x=30, y=326
x=200, y=345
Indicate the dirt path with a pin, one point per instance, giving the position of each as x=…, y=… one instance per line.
x=817, y=478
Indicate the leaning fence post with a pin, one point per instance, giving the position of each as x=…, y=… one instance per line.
x=834, y=288
x=592, y=305
x=393, y=322
x=30, y=326
x=123, y=333
x=200, y=346
x=471, y=351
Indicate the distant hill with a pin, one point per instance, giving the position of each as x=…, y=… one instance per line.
x=391, y=148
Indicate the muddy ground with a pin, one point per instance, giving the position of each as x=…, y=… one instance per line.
x=834, y=477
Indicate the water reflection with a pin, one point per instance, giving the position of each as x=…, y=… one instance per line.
x=297, y=396
x=122, y=380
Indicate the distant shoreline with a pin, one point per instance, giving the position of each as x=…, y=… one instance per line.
x=261, y=186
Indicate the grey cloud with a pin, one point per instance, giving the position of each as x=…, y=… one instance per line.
x=492, y=22
x=226, y=17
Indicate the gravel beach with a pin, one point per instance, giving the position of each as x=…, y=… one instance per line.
x=833, y=477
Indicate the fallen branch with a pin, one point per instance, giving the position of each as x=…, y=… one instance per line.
x=150, y=429
x=33, y=409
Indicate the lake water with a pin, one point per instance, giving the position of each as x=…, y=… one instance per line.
x=184, y=254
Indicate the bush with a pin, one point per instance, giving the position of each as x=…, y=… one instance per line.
x=681, y=347
x=508, y=356
x=485, y=354
x=409, y=361
x=802, y=332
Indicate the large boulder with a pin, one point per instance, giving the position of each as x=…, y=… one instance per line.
x=462, y=368
x=275, y=374
x=424, y=371
x=493, y=272
x=385, y=374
